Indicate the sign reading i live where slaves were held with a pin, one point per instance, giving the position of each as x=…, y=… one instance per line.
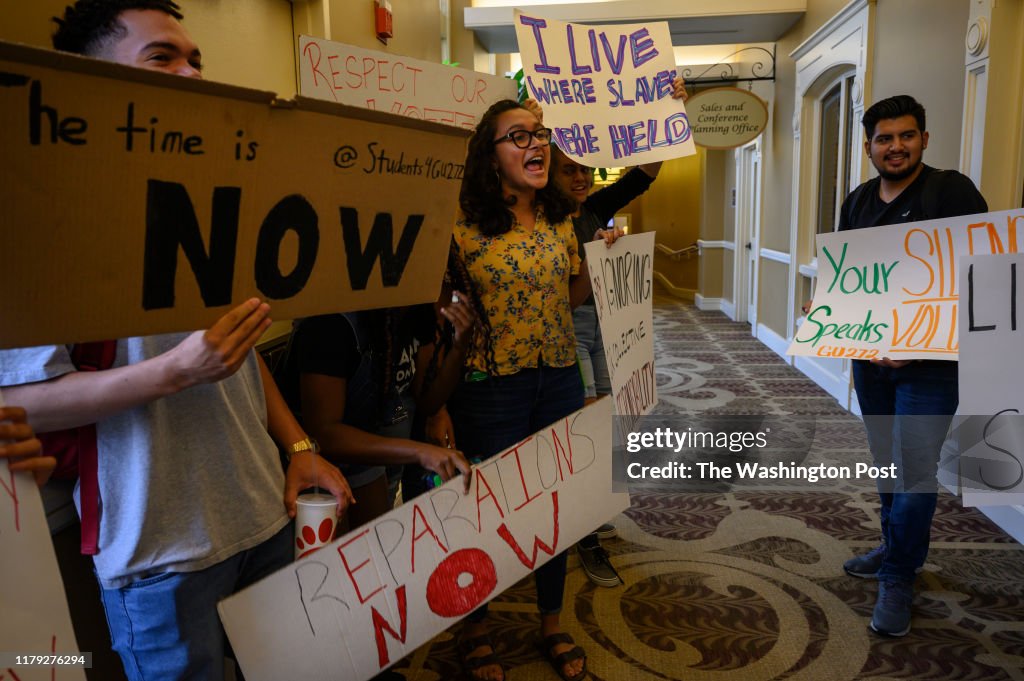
x=368, y=599
x=991, y=428
x=606, y=90
x=381, y=81
x=892, y=291
x=137, y=202
x=622, y=279
x=35, y=619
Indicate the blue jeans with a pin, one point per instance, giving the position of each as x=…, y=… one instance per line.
x=907, y=412
x=166, y=627
x=490, y=416
x=590, y=349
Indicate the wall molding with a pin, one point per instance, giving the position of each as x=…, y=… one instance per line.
x=687, y=294
x=777, y=256
x=727, y=245
x=774, y=341
x=726, y=307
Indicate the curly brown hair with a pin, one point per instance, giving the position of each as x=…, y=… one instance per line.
x=481, y=198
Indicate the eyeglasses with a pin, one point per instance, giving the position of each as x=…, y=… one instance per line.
x=522, y=138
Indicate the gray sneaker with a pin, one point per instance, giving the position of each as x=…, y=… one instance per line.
x=892, y=610
x=595, y=562
x=866, y=566
x=606, y=531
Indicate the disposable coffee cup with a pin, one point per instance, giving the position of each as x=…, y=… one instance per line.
x=315, y=521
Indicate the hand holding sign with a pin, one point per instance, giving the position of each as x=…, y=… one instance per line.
x=21, y=448
x=213, y=355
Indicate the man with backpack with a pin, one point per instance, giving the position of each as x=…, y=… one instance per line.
x=907, y=404
x=187, y=430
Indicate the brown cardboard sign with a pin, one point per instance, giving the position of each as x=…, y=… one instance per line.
x=138, y=203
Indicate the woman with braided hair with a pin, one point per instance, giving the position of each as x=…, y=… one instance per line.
x=515, y=255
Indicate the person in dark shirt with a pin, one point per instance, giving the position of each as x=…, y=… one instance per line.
x=358, y=378
x=907, y=404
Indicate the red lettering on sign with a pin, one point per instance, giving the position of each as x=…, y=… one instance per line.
x=549, y=549
x=562, y=452
x=12, y=492
x=418, y=513
x=380, y=625
x=481, y=481
x=353, y=570
x=522, y=477
x=447, y=596
x=314, y=64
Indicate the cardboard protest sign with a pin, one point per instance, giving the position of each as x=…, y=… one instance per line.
x=368, y=599
x=892, y=291
x=139, y=202
x=622, y=279
x=991, y=428
x=35, y=617
x=606, y=90
x=404, y=86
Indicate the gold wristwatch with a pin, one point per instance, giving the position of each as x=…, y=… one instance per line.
x=306, y=444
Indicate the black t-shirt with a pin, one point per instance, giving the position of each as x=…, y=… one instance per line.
x=602, y=205
x=933, y=194
x=327, y=344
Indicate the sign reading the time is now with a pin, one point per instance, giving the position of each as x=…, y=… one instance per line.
x=726, y=117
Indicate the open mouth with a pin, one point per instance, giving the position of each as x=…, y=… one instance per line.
x=535, y=164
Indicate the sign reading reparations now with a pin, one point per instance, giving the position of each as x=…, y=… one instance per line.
x=137, y=202
x=368, y=599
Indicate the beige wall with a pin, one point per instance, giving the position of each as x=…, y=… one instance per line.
x=919, y=50
x=771, y=310
x=248, y=44
x=1003, y=175
x=672, y=207
x=417, y=25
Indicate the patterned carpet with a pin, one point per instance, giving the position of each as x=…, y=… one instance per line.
x=747, y=583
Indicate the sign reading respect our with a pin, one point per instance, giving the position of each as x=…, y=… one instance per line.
x=892, y=291
x=606, y=91
x=622, y=277
x=382, y=81
x=365, y=601
x=137, y=202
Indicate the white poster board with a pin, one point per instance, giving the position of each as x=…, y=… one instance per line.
x=368, y=599
x=892, y=291
x=35, y=617
x=606, y=91
x=991, y=376
x=622, y=279
x=382, y=81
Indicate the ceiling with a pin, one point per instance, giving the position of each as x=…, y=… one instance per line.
x=691, y=22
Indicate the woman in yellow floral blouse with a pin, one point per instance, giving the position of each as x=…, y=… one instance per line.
x=515, y=251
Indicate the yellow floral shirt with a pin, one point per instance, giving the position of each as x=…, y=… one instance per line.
x=523, y=280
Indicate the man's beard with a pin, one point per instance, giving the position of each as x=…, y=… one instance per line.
x=902, y=174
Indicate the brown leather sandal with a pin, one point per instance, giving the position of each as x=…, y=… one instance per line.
x=471, y=664
x=559, y=661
